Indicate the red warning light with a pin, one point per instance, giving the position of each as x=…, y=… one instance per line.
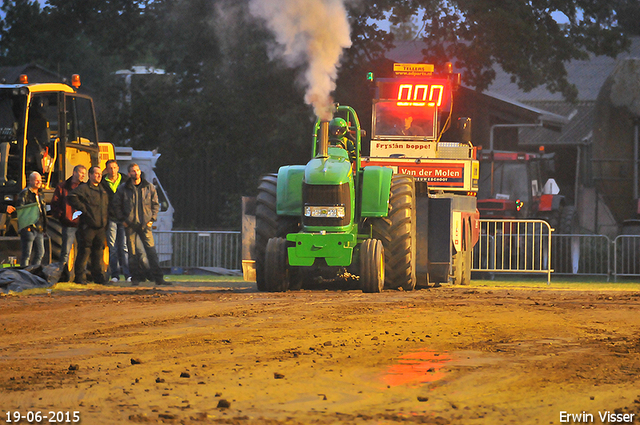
x=75, y=80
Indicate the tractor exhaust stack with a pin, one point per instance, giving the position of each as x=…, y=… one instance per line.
x=323, y=147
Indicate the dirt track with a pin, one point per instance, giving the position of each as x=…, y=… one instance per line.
x=228, y=354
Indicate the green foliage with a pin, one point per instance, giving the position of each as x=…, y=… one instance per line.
x=628, y=14
x=522, y=37
x=18, y=42
x=225, y=110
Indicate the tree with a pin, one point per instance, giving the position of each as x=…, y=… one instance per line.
x=226, y=113
x=239, y=115
x=521, y=37
x=18, y=41
x=629, y=16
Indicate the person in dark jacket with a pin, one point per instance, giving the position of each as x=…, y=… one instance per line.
x=116, y=237
x=93, y=202
x=137, y=206
x=33, y=234
x=64, y=212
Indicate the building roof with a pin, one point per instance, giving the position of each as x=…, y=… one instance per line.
x=587, y=75
x=35, y=72
x=546, y=116
x=577, y=130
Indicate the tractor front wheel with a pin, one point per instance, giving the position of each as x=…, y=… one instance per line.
x=276, y=269
x=372, y=265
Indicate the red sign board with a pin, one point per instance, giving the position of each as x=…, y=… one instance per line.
x=440, y=174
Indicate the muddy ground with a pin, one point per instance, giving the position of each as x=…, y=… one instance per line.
x=224, y=353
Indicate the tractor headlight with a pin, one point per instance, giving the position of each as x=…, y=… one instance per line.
x=324, y=212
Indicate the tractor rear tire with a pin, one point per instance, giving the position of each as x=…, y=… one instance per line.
x=568, y=221
x=397, y=232
x=276, y=268
x=372, y=266
x=269, y=224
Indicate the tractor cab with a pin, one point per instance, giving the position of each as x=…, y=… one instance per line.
x=515, y=185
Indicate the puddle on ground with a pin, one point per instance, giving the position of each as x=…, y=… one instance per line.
x=416, y=368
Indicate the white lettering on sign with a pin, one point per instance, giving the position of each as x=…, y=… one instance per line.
x=385, y=148
x=448, y=173
x=426, y=172
x=389, y=145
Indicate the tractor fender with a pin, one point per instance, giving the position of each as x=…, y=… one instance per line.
x=550, y=202
x=376, y=187
x=289, y=190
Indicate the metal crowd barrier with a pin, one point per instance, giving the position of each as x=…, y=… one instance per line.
x=574, y=254
x=196, y=249
x=525, y=246
x=513, y=246
x=505, y=246
x=626, y=255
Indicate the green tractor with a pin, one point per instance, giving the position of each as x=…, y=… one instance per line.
x=333, y=216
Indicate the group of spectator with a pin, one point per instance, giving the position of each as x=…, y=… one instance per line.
x=115, y=209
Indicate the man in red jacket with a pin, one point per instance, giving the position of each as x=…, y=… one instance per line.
x=63, y=211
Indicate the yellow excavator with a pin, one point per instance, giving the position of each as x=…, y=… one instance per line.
x=49, y=128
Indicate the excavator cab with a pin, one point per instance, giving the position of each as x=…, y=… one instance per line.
x=44, y=131
x=44, y=127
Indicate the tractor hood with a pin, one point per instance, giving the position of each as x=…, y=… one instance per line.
x=331, y=170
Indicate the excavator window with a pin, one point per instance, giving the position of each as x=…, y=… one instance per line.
x=80, y=122
x=12, y=114
x=42, y=130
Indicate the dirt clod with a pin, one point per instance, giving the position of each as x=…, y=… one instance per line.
x=223, y=404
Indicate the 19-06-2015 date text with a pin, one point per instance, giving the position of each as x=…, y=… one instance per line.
x=50, y=416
